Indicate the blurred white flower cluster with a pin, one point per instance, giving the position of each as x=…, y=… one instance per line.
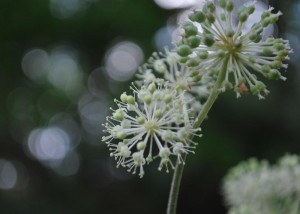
x=257, y=187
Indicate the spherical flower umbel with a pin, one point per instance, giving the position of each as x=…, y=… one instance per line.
x=210, y=38
x=153, y=123
x=165, y=65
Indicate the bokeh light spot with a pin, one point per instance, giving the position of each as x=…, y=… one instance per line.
x=69, y=165
x=65, y=72
x=173, y=4
x=65, y=8
x=35, y=64
x=51, y=143
x=8, y=174
x=122, y=60
x=163, y=38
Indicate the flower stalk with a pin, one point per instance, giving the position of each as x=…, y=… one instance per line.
x=175, y=185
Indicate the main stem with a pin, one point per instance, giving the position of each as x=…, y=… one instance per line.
x=175, y=185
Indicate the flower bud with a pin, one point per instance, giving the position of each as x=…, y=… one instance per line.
x=184, y=50
x=197, y=16
x=194, y=41
x=209, y=40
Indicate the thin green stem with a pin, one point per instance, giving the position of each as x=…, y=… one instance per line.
x=175, y=185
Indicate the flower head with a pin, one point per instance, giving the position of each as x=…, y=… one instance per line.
x=210, y=38
x=256, y=187
x=166, y=65
x=154, y=120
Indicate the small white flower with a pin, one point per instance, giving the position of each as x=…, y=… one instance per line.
x=153, y=123
x=211, y=39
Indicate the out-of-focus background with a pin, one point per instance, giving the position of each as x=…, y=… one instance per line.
x=61, y=64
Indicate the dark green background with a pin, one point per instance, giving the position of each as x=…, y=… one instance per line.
x=236, y=130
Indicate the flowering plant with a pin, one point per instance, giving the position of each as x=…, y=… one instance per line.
x=176, y=89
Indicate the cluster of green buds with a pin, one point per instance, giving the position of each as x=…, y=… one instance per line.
x=152, y=120
x=211, y=39
x=256, y=187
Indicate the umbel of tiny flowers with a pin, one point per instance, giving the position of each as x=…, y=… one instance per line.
x=210, y=37
x=166, y=65
x=256, y=187
x=151, y=123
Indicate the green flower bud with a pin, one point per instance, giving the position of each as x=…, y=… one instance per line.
x=253, y=36
x=123, y=97
x=223, y=17
x=278, y=46
x=158, y=113
x=283, y=53
x=140, y=120
x=274, y=74
x=209, y=40
x=210, y=17
x=276, y=64
x=274, y=18
x=243, y=17
x=190, y=29
x=265, y=14
x=265, y=69
x=229, y=6
x=141, y=145
x=183, y=59
x=194, y=41
x=152, y=88
x=130, y=100
x=121, y=135
x=184, y=50
x=267, y=52
x=167, y=136
x=197, y=16
x=194, y=73
x=147, y=99
x=197, y=78
x=118, y=115
x=211, y=7
x=222, y=3
x=265, y=22
x=258, y=38
x=203, y=54
x=192, y=62
x=256, y=89
x=251, y=9
x=167, y=98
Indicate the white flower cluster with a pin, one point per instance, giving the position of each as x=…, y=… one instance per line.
x=211, y=39
x=182, y=78
x=152, y=123
x=166, y=65
x=257, y=187
x=157, y=120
